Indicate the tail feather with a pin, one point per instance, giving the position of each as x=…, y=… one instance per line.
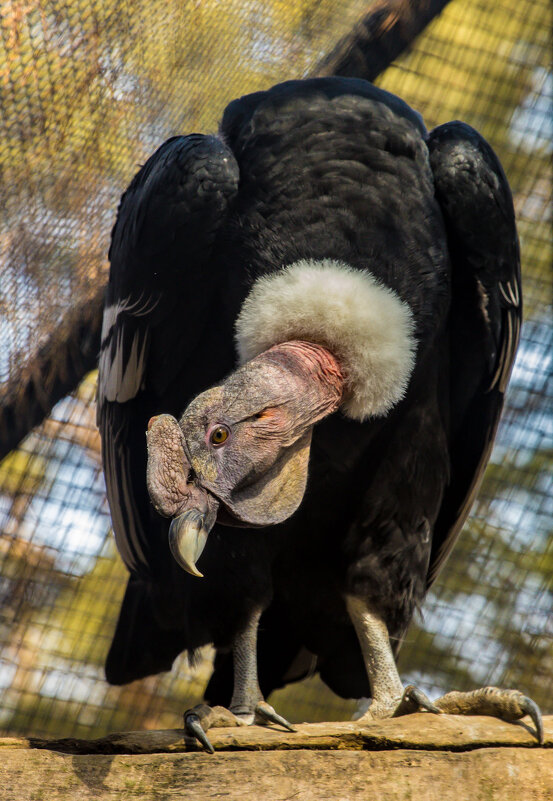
x=141, y=646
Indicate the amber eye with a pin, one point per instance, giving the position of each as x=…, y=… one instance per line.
x=219, y=435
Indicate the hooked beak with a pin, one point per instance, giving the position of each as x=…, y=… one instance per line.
x=187, y=538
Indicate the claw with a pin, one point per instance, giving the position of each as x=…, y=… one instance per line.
x=266, y=711
x=412, y=700
x=532, y=709
x=422, y=700
x=193, y=727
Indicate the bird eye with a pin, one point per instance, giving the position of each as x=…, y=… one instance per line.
x=219, y=435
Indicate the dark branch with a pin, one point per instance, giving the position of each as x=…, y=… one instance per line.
x=58, y=367
x=389, y=28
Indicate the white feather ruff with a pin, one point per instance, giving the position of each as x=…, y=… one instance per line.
x=361, y=321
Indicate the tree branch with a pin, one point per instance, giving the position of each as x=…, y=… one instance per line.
x=59, y=366
x=390, y=27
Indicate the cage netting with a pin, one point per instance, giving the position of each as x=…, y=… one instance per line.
x=88, y=89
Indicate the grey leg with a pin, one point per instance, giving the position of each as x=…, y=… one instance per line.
x=372, y=632
x=246, y=694
x=247, y=701
x=247, y=705
x=389, y=698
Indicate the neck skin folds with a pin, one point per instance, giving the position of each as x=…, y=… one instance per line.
x=315, y=371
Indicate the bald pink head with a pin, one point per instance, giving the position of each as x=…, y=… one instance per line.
x=239, y=452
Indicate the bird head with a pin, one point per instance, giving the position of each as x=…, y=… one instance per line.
x=239, y=452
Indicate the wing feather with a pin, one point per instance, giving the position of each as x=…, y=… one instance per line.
x=166, y=225
x=486, y=312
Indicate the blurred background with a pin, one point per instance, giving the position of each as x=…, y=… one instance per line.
x=88, y=89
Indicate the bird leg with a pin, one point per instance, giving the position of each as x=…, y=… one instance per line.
x=246, y=692
x=390, y=699
x=388, y=694
x=247, y=705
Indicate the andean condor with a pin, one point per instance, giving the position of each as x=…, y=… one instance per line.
x=364, y=274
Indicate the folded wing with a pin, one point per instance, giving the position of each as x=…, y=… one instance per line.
x=486, y=311
x=160, y=283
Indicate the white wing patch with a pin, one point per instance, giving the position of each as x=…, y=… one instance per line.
x=510, y=292
x=509, y=340
x=121, y=381
x=123, y=351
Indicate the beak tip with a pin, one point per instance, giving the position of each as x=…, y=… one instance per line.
x=187, y=538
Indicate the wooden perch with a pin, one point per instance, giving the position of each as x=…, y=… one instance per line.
x=423, y=756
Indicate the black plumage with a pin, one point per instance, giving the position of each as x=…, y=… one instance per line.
x=320, y=169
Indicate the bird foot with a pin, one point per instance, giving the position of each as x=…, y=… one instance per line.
x=508, y=705
x=203, y=717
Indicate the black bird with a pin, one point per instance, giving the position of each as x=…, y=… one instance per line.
x=368, y=273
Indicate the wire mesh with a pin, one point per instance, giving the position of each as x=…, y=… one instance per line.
x=88, y=90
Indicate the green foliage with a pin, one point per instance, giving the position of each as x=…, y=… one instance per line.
x=21, y=472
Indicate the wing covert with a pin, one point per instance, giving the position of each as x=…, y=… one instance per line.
x=485, y=316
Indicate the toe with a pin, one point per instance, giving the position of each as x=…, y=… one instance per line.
x=203, y=717
x=413, y=700
x=509, y=705
x=529, y=707
x=193, y=728
x=266, y=714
